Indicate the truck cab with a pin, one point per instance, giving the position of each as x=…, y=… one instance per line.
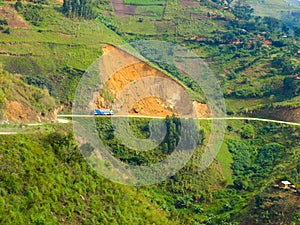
x=105, y=112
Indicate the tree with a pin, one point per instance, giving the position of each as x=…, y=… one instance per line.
x=284, y=63
x=229, y=2
x=18, y=5
x=269, y=155
x=248, y=131
x=285, y=29
x=291, y=85
x=272, y=23
x=79, y=8
x=229, y=37
x=243, y=12
x=297, y=31
x=184, y=201
x=7, y=31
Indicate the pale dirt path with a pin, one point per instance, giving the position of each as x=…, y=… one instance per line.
x=150, y=117
x=8, y=133
x=211, y=118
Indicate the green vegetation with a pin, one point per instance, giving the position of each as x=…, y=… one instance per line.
x=140, y=127
x=273, y=8
x=150, y=11
x=54, y=46
x=4, y=27
x=31, y=12
x=253, y=57
x=84, y=9
x=44, y=178
x=72, y=193
x=13, y=89
x=236, y=48
x=144, y=2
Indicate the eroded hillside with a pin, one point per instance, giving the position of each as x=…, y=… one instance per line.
x=20, y=102
x=153, y=94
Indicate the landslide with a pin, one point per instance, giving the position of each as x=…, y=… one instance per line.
x=20, y=102
x=14, y=20
x=133, y=70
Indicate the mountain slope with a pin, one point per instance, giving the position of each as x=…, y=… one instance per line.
x=20, y=102
x=44, y=180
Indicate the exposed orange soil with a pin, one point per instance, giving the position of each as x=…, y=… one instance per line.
x=201, y=109
x=15, y=111
x=159, y=107
x=132, y=73
x=14, y=20
x=123, y=70
x=267, y=43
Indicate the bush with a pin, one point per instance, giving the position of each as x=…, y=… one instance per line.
x=41, y=82
x=32, y=13
x=248, y=131
x=18, y=5
x=7, y=31
x=3, y=22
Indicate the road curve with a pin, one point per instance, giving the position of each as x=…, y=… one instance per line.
x=150, y=117
x=209, y=118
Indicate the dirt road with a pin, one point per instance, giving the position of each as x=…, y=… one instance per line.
x=211, y=118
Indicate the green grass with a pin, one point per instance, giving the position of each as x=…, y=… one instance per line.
x=38, y=186
x=130, y=24
x=144, y=2
x=56, y=43
x=293, y=102
x=45, y=179
x=273, y=8
x=60, y=39
x=225, y=159
x=238, y=105
x=187, y=21
x=150, y=11
x=65, y=190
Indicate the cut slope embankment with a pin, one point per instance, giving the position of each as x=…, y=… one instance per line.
x=169, y=97
x=20, y=102
x=285, y=113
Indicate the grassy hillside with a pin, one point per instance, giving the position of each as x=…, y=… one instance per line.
x=275, y=8
x=55, y=47
x=255, y=156
x=45, y=180
x=242, y=52
x=242, y=49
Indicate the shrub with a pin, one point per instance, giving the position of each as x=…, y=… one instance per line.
x=7, y=31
